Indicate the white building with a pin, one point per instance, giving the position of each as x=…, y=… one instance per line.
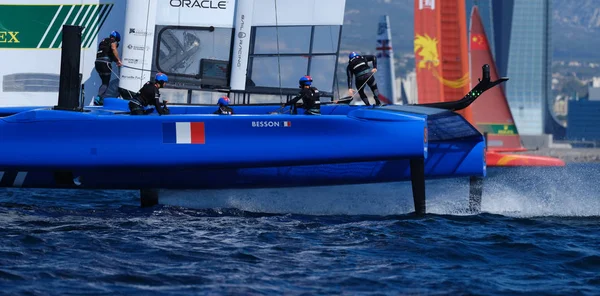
x=252, y=50
x=410, y=87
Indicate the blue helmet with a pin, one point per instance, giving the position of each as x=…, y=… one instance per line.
x=115, y=35
x=305, y=80
x=223, y=101
x=353, y=55
x=161, y=77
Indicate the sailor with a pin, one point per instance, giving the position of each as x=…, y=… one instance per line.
x=107, y=53
x=309, y=95
x=224, y=108
x=359, y=67
x=149, y=94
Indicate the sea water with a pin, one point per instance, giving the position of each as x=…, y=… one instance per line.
x=539, y=233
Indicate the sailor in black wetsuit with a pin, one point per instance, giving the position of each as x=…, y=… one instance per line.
x=149, y=95
x=310, y=97
x=359, y=67
x=107, y=53
x=224, y=108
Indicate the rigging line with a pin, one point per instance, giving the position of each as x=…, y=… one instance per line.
x=146, y=39
x=278, y=56
x=82, y=67
x=333, y=47
x=111, y=70
x=133, y=68
x=143, y=56
x=337, y=82
x=331, y=37
x=363, y=85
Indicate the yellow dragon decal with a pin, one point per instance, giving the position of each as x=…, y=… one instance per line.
x=426, y=48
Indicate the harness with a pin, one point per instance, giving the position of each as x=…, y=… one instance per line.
x=362, y=64
x=135, y=101
x=224, y=111
x=316, y=103
x=363, y=72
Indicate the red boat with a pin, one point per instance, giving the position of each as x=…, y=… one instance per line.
x=443, y=72
x=491, y=113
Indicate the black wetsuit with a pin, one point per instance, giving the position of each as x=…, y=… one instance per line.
x=311, y=101
x=148, y=95
x=359, y=67
x=224, y=110
x=103, y=65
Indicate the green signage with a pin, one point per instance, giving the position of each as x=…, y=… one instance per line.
x=499, y=129
x=40, y=26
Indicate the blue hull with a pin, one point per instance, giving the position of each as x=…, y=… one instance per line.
x=193, y=149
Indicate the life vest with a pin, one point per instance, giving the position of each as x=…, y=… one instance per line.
x=104, y=50
x=312, y=101
x=148, y=94
x=224, y=111
x=359, y=66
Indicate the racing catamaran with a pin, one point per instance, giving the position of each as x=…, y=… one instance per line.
x=71, y=145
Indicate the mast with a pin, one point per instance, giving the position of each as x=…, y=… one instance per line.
x=441, y=51
x=385, y=75
x=138, y=44
x=427, y=48
x=241, y=43
x=454, y=53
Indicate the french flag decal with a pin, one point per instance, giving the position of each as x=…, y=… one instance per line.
x=183, y=133
x=287, y=123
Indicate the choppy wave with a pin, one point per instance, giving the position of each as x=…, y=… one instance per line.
x=538, y=235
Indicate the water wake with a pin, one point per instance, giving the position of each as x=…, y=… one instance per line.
x=570, y=191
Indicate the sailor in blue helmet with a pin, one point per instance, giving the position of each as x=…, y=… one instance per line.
x=224, y=108
x=149, y=94
x=107, y=53
x=359, y=67
x=309, y=95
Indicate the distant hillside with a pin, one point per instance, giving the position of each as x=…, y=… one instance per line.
x=581, y=15
x=360, y=29
x=360, y=24
x=575, y=25
x=576, y=29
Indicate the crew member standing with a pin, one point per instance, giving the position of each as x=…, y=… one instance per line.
x=359, y=67
x=106, y=55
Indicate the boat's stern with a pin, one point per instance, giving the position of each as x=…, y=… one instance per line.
x=451, y=145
